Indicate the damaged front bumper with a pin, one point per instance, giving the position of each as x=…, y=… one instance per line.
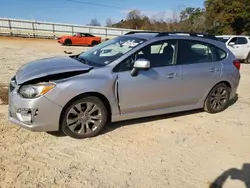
x=39, y=114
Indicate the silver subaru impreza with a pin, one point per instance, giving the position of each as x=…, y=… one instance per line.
x=135, y=75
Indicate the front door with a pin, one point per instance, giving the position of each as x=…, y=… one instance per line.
x=81, y=40
x=155, y=88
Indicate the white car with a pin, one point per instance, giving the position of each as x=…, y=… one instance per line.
x=239, y=45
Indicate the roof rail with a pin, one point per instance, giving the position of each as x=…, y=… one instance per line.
x=135, y=32
x=193, y=34
x=160, y=34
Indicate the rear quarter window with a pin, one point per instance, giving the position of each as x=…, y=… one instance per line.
x=220, y=54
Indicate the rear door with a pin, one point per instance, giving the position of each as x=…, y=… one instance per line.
x=200, y=70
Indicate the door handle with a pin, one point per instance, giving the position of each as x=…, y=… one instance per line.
x=214, y=70
x=171, y=75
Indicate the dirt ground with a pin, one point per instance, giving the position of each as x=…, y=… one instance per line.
x=183, y=150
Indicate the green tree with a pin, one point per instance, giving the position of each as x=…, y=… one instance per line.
x=193, y=19
x=226, y=17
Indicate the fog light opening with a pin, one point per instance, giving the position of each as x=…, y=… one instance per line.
x=35, y=114
x=24, y=115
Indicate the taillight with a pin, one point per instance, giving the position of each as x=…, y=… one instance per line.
x=237, y=64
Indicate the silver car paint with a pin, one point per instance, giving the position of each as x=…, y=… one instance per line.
x=141, y=96
x=44, y=67
x=45, y=120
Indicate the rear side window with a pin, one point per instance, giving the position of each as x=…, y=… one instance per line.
x=191, y=52
x=241, y=40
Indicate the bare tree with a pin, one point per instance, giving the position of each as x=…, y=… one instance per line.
x=175, y=17
x=94, y=22
x=134, y=14
x=109, y=22
x=159, y=17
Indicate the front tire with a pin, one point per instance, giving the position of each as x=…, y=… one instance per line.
x=218, y=99
x=94, y=43
x=84, y=118
x=68, y=42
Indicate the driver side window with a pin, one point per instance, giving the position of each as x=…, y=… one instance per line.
x=161, y=53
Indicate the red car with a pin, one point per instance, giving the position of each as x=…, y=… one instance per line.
x=79, y=39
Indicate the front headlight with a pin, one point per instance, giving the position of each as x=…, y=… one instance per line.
x=36, y=90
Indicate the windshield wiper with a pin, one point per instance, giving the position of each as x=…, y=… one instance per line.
x=80, y=59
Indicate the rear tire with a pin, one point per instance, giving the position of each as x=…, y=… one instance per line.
x=67, y=42
x=94, y=43
x=217, y=99
x=248, y=58
x=84, y=118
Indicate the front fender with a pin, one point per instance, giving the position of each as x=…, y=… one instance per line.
x=70, y=88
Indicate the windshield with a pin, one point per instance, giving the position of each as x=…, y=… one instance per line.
x=110, y=50
x=222, y=39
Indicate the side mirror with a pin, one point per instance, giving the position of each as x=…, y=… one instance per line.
x=140, y=64
x=231, y=43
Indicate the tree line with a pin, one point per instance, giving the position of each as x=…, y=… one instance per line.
x=216, y=17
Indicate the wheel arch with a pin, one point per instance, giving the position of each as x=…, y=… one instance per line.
x=67, y=39
x=94, y=41
x=87, y=94
x=221, y=82
x=226, y=83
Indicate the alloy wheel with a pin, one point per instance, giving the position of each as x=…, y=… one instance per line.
x=84, y=118
x=219, y=98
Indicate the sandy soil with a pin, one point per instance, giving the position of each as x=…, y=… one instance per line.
x=184, y=150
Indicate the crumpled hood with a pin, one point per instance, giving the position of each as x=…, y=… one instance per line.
x=47, y=67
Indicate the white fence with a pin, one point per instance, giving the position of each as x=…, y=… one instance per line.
x=28, y=28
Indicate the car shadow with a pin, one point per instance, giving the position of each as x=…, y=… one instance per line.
x=117, y=125
x=57, y=133
x=233, y=100
x=234, y=174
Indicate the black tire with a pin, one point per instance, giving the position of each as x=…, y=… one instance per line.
x=75, y=134
x=248, y=58
x=67, y=42
x=216, y=103
x=94, y=43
